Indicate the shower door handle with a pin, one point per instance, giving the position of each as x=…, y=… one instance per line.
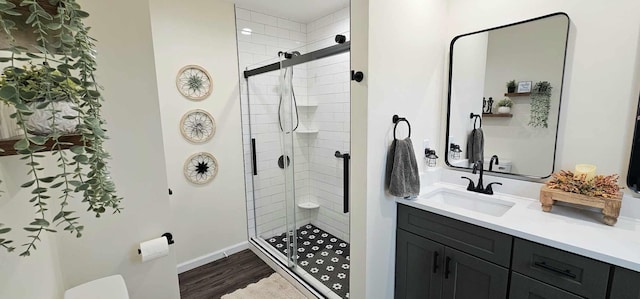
x=345, y=168
x=254, y=159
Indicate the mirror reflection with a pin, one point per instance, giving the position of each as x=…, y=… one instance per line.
x=504, y=97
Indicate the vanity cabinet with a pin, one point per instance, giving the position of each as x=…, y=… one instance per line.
x=442, y=258
x=625, y=284
x=429, y=266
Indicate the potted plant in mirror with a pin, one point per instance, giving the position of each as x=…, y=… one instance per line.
x=51, y=97
x=511, y=86
x=504, y=106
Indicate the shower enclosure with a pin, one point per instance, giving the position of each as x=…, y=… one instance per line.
x=296, y=115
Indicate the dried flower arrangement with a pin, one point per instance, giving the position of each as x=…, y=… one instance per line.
x=600, y=186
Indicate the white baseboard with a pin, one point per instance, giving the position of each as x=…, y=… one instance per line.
x=211, y=257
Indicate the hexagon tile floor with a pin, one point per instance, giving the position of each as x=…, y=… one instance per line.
x=322, y=255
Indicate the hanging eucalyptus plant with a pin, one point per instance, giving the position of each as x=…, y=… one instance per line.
x=65, y=65
x=540, y=105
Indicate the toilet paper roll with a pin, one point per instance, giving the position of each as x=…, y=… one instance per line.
x=154, y=249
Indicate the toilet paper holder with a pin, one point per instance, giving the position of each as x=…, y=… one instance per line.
x=169, y=237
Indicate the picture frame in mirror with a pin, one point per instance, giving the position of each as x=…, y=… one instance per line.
x=524, y=86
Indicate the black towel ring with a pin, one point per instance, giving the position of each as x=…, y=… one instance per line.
x=396, y=120
x=475, y=118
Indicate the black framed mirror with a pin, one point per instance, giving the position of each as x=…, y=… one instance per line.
x=633, y=176
x=504, y=97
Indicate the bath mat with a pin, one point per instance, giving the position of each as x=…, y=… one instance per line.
x=272, y=287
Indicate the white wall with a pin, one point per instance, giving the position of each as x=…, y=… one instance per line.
x=405, y=76
x=527, y=52
x=108, y=246
x=210, y=217
x=17, y=274
x=601, y=83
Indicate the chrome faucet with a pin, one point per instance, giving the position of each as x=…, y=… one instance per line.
x=477, y=166
x=494, y=158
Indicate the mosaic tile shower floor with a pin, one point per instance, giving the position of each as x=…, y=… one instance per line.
x=320, y=254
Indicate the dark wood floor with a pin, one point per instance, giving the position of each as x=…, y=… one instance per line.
x=223, y=276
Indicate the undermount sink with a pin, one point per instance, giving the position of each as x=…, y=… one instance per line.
x=485, y=204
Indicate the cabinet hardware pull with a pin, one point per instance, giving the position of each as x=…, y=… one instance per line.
x=545, y=266
x=446, y=267
x=435, y=261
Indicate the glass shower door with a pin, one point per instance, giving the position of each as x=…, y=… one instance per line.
x=288, y=123
x=298, y=116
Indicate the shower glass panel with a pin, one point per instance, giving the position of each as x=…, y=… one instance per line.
x=296, y=118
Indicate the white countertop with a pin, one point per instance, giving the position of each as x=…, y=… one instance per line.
x=571, y=229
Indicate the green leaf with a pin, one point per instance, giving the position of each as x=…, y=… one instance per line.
x=21, y=144
x=54, y=26
x=75, y=183
x=28, y=95
x=40, y=222
x=12, y=12
x=39, y=140
x=39, y=190
x=31, y=229
x=28, y=184
x=78, y=149
x=4, y=230
x=56, y=185
x=94, y=94
x=81, y=158
x=34, y=55
x=23, y=108
x=5, y=59
x=82, y=14
x=48, y=179
x=8, y=92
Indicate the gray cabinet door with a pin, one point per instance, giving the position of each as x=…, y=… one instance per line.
x=625, y=284
x=523, y=287
x=418, y=267
x=468, y=277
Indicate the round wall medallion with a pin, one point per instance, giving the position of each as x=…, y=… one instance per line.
x=197, y=126
x=194, y=82
x=200, y=168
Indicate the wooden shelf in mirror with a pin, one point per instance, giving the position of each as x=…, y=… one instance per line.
x=518, y=94
x=497, y=115
x=70, y=140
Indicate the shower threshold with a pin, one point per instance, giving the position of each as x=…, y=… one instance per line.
x=321, y=254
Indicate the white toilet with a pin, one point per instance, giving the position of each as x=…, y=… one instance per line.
x=112, y=287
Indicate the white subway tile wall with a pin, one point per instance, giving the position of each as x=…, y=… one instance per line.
x=322, y=94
